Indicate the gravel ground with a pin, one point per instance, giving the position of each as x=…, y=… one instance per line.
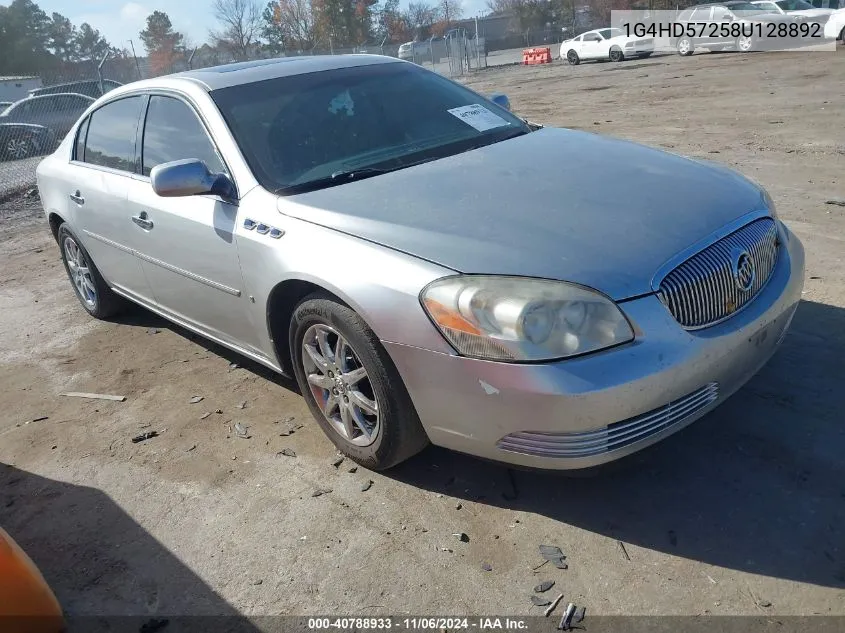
x=16, y=175
x=741, y=513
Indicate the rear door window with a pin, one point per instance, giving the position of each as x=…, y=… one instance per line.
x=111, y=134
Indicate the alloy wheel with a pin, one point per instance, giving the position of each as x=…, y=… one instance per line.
x=17, y=148
x=744, y=43
x=80, y=273
x=683, y=46
x=340, y=384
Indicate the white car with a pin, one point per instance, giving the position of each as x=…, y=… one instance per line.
x=799, y=8
x=610, y=44
x=834, y=28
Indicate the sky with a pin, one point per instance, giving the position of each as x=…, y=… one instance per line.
x=120, y=20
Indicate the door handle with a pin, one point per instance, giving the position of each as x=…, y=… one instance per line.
x=143, y=221
x=77, y=197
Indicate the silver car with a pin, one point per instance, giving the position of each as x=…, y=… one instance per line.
x=442, y=272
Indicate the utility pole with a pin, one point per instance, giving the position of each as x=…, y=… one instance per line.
x=137, y=65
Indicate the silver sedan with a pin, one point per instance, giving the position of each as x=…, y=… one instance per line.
x=442, y=272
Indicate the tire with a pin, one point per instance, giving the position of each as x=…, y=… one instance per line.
x=394, y=430
x=744, y=44
x=685, y=47
x=572, y=58
x=98, y=299
x=616, y=54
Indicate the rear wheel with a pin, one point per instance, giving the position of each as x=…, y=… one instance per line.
x=744, y=44
x=88, y=285
x=616, y=54
x=572, y=58
x=685, y=47
x=351, y=385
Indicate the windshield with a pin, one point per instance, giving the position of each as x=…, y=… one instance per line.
x=795, y=5
x=746, y=8
x=306, y=128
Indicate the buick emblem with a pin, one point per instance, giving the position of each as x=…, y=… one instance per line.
x=743, y=270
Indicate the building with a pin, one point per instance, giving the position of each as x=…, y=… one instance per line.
x=16, y=88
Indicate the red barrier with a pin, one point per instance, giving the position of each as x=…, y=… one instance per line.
x=531, y=56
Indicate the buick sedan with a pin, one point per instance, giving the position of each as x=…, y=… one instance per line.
x=442, y=272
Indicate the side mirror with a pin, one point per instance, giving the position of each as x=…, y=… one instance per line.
x=501, y=99
x=190, y=177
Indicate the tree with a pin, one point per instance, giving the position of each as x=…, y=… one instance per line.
x=90, y=45
x=163, y=44
x=392, y=24
x=451, y=10
x=421, y=16
x=63, y=38
x=241, y=26
x=290, y=23
x=528, y=14
x=24, y=36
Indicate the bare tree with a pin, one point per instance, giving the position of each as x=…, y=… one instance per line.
x=241, y=25
x=293, y=21
x=421, y=14
x=451, y=10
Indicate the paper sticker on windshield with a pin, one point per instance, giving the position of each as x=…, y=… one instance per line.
x=478, y=117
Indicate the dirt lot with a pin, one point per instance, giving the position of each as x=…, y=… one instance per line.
x=742, y=513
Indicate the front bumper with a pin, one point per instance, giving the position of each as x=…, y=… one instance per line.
x=639, y=47
x=587, y=411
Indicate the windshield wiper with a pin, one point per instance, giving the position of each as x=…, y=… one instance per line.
x=337, y=178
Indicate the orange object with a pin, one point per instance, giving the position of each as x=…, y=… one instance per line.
x=531, y=56
x=27, y=604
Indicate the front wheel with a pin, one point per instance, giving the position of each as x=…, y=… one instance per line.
x=572, y=58
x=351, y=386
x=19, y=148
x=616, y=54
x=685, y=47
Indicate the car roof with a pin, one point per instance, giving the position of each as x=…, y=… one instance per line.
x=727, y=3
x=228, y=75
x=53, y=95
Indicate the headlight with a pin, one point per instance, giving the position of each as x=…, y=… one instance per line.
x=518, y=319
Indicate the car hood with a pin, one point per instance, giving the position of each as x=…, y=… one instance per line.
x=812, y=13
x=557, y=204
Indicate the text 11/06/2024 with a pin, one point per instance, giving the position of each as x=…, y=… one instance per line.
x=487, y=623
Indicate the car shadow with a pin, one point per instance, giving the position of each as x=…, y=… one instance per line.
x=108, y=572
x=137, y=316
x=757, y=486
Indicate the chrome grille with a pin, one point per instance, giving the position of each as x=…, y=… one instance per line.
x=704, y=290
x=613, y=436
